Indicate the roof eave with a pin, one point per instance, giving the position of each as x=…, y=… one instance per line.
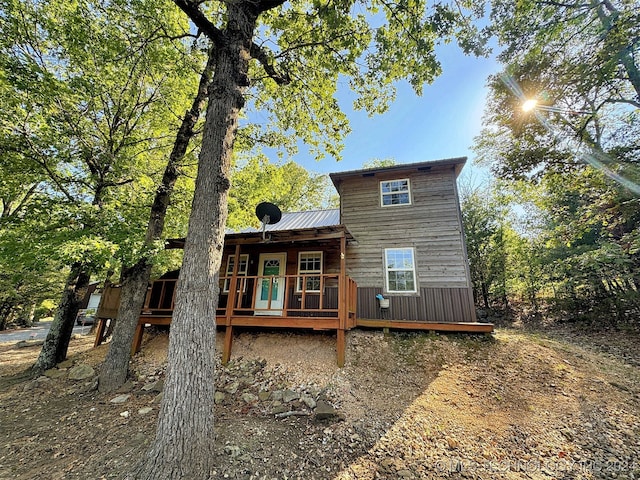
x=457, y=162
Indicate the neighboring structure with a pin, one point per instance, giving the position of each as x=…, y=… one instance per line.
x=393, y=255
x=89, y=304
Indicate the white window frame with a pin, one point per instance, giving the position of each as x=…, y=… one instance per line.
x=241, y=272
x=388, y=270
x=384, y=194
x=309, y=272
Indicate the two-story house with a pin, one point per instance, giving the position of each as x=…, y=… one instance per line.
x=392, y=256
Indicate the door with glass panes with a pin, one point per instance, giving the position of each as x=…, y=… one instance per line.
x=270, y=290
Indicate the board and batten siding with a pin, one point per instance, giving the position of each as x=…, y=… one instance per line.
x=431, y=225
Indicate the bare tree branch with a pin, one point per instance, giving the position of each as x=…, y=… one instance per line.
x=191, y=8
x=260, y=54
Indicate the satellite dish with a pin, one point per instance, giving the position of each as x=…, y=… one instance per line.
x=268, y=214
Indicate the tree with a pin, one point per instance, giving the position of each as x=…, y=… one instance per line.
x=379, y=163
x=579, y=151
x=93, y=102
x=315, y=44
x=288, y=185
x=135, y=278
x=484, y=217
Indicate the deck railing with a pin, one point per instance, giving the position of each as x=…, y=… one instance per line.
x=286, y=296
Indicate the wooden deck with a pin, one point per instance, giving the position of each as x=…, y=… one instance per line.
x=464, y=327
x=321, y=310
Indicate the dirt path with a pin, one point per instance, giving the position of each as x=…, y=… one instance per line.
x=416, y=406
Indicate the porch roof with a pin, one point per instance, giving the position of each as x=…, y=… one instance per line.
x=316, y=225
x=302, y=220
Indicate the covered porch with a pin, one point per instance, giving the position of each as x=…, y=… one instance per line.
x=283, y=279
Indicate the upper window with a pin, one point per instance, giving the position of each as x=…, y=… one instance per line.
x=395, y=192
x=400, y=270
x=309, y=269
x=242, y=270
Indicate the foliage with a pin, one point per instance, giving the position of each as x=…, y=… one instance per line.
x=486, y=226
x=379, y=163
x=287, y=185
x=575, y=158
x=91, y=94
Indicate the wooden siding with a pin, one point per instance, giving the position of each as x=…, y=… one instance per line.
x=330, y=256
x=432, y=305
x=431, y=225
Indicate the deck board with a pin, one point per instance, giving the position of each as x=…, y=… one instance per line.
x=468, y=327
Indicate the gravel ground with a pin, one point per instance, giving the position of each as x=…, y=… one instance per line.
x=515, y=405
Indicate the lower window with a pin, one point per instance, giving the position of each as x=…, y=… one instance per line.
x=400, y=270
x=309, y=263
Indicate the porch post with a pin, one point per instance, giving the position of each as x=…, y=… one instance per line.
x=231, y=302
x=342, y=301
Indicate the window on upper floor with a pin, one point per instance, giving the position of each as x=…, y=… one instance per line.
x=242, y=271
x=400, y=270
x=395, y=192
x=309, y=263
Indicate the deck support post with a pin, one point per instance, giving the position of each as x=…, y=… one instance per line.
x=102, y=323
x=340, y=347
x=228, y=340
x=343, y=311
x=137, y=338
x=231, y=305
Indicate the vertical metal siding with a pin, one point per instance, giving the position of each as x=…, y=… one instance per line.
x=432, y=305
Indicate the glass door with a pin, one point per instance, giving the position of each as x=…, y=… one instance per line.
x=270, y=291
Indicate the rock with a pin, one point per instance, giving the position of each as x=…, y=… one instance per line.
x=232, y=387
x=218, y=397
x=325, y=411
x=232, y=450
x=156, y=386
x=246, y=381
x=29, y=343
x=278, y=409
x=66, y=364
x=264, y=396
x=91, y=386
x=308, y=401
x=81, y=372
x=120, y=399
x=249, y=398
x=145, y=410
x=290, y=396
x=126, y=388
x=54, y=373
x=30, y=386
x=125, y=414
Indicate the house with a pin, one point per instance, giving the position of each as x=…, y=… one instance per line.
x=392, y=256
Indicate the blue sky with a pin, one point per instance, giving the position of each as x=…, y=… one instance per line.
x=440, y=124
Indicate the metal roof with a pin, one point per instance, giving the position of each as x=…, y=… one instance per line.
x=302, y=220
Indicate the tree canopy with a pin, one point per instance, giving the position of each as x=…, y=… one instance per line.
x=575, y=157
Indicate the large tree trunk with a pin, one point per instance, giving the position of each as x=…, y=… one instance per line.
x=184, y=443
x=56, y=344
x=5, y=310
x=135, y=279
